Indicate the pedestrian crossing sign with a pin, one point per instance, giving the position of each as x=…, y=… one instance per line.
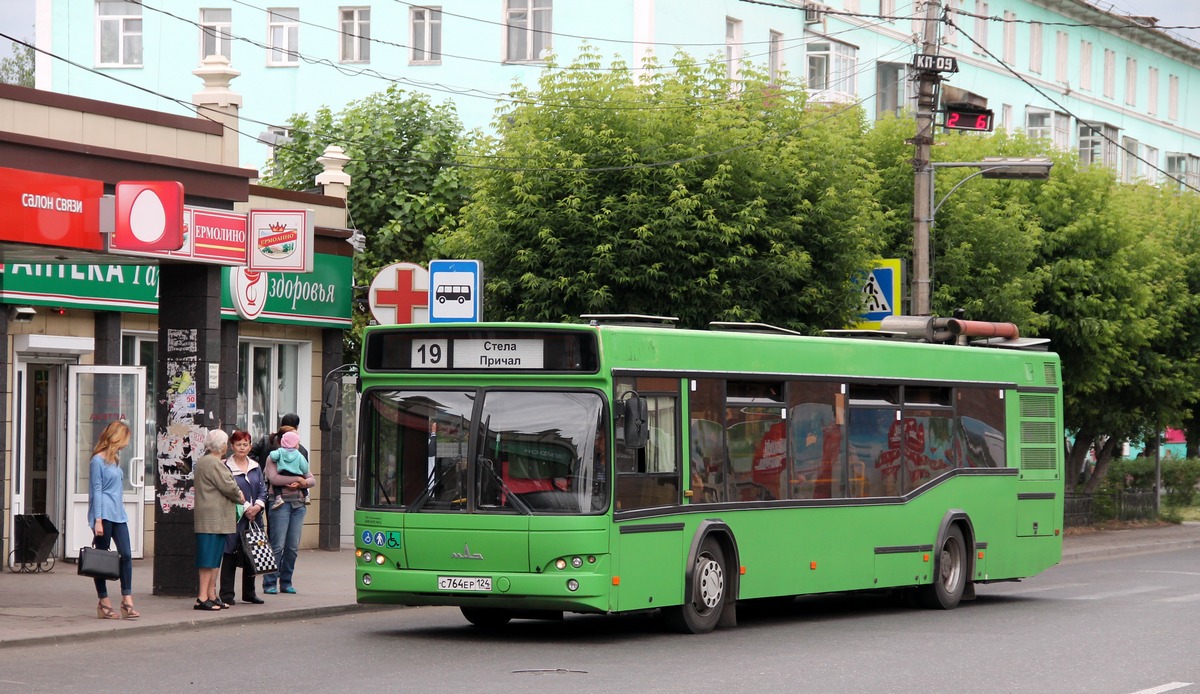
x=881, y=294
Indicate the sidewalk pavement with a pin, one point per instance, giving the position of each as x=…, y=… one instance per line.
x=60, y=606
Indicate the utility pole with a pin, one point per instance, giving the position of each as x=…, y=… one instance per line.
x=927, y=81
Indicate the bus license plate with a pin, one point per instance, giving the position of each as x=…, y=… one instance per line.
x=470, y=583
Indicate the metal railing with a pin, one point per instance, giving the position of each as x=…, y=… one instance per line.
x=1088, y=509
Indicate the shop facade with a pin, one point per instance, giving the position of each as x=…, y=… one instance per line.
x=168, y=344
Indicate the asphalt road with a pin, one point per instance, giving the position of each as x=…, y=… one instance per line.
x=1120, y=625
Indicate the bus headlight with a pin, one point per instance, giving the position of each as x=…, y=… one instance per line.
x=572, y=585
x=380, y=559
x=366, y=579
x=560, y=564
x=577, y=562
x=366, y=557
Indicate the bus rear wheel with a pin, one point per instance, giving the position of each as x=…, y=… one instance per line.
x=951, y=579
x=486, y=617
x=709, y=591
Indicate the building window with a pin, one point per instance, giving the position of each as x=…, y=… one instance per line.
x=1006, y=116
x=1061, y=51
x=356, y=35
x=527, y=30
x=1049, y=125
x=1148, y=168
x=1035, y=48
x=981, y=27
x=831, y=68
x=1130, y=82
x=775, y=58
x=1010, y=37
x=1085, y=65
x=951, y=34
x=892, y=92
x=283, y=36
x=1152, y=92
x=118, y=34
x=1129, y=158
x=426, y=35
x=1173, y=97
x=1110, y=73
x=1098, y=145
x=733, y=47
x=216, y=33
x=270, y=375
x=1184, y=169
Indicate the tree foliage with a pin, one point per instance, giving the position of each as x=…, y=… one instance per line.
x=401, y=190
x=673, y=192
x=18, y=68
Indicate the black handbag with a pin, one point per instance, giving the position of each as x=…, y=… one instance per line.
x=99, y=563
x=259, y=555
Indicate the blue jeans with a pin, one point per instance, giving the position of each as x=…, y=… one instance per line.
x=118, y=532
x=284, y=525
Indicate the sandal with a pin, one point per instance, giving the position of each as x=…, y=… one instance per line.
x=106, y=612
x=127, y=611
x=206, y=606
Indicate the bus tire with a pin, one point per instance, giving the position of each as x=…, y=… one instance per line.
x=950, y=578
x=486, y=617
x=710, y=589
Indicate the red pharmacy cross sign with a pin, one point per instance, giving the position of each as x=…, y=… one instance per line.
x=400, y=294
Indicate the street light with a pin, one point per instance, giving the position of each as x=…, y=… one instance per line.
x=1011, y=168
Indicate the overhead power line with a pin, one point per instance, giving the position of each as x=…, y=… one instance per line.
x=983, y=49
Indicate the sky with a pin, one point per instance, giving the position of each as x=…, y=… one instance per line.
x=16, y=16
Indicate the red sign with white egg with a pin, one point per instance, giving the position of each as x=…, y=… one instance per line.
x=149, y=216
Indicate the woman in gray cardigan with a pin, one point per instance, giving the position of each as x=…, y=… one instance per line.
x=215, y=515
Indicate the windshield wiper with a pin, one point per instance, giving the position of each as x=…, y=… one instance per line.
x=426, y=493
x=487, y=464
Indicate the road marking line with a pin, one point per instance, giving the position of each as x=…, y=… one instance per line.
x=1164, y=688
x=1041, y=589
x=1183, y=598
x=1116, y=593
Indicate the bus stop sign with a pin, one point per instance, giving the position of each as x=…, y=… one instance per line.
x=454, y=291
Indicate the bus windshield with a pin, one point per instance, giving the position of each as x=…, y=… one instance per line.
x=484, y=451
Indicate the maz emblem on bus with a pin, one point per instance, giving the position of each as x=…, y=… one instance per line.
x=466, y=554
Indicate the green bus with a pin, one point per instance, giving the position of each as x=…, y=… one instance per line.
x=521, y=470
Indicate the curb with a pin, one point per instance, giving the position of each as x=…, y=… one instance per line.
x=1127, y=550
x=288, y=615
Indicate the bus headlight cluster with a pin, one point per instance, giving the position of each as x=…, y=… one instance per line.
x=368, y=557
x=575, y=562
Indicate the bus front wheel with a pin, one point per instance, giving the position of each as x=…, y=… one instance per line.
x=951, y=579
x=709, y=591
x=486, y=617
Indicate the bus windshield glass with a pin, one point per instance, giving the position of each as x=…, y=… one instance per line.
x=485, y=451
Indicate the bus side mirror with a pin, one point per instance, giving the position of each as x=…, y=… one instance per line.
x=637, y=434
x=329, y=404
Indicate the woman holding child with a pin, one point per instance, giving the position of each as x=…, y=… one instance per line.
x=289, y=493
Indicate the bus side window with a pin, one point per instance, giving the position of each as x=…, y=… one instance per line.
x=815, y=415
x=709, y=457
x=649, y=476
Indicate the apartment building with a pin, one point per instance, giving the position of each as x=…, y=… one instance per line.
x=1110, y=86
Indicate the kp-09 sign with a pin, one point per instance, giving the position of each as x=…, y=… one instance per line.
x=934, y=63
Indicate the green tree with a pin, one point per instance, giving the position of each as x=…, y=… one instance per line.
x=402, y=190
x=404, y=185
x=18, y=68
x=1098, y=299
x=679, y=193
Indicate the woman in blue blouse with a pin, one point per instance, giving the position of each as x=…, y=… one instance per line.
x=106, y=514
